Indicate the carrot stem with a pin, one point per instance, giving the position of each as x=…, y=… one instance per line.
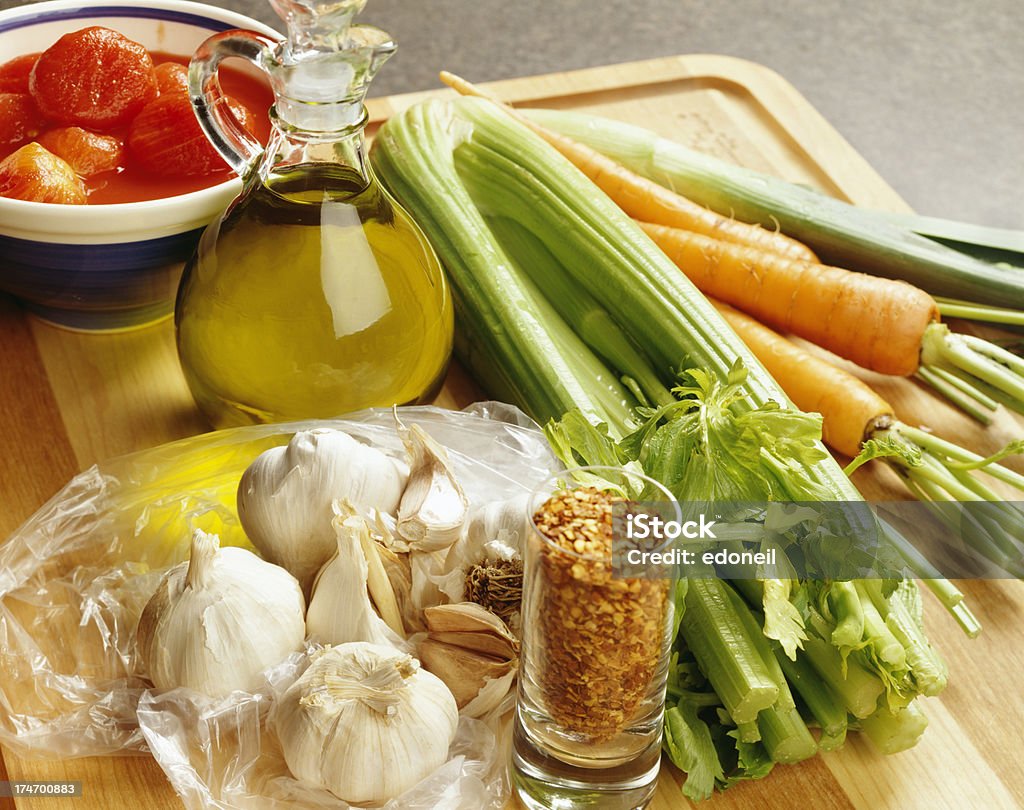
x=1002, y=519
x=947, y=390
x=955, y=393
x=975, y=534
x=984, y=535
x=972, y=388
x=939, y=446
x=917, y=454
x=939, y=346
x=965, y=618
x=993, y=393
x=931, y=470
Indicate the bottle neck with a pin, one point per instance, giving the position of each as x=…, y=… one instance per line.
x=291, y=148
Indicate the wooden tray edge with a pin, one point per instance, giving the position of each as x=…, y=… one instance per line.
x=790, y=111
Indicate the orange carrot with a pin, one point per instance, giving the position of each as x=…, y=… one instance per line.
x=851, y=411
x=643, y=199
x=860, y=424
x=878, y=323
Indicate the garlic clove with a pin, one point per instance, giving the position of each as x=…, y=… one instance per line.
x=426, y=569
x=285, y=496
x=464, y=672
x=384, y=527
x=492, y=695
x=398, y=570
x=340, y=610
x=466, y=617
x=434, y=506
x=483, y=643
x=378, y=584
x=472, y=651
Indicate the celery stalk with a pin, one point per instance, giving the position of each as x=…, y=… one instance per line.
x=902, y=613
x=858, y=688
x=821, y=700
x=763, y=647
x=878, y=636
x=577, y=307
x=892, y=732
x=726, y=652
x=544, y=365
x=749, y=732
x=828, y=742
x=785, y=735
x=848, y=613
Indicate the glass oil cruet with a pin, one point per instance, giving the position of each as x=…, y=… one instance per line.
x=314, y=293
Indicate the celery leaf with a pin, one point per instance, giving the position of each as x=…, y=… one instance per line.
x=688, y=744
x=782, y=620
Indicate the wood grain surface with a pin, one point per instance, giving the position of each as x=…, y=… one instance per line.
x=69, y=400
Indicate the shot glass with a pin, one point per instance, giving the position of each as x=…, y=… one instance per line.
x=595, y=647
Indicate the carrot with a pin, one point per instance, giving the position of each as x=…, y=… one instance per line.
x=643, y=199
x=852, y=412
x=885, y=325
x=859, y=423
x=876, y=322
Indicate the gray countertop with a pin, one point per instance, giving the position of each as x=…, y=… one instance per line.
x=931, y=92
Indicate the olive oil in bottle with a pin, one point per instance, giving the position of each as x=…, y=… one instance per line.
x=314, y=294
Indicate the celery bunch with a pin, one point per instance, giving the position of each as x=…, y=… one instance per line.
x=854, y=653
x=566, y=308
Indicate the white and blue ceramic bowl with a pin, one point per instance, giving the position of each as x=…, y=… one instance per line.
x=107, y=267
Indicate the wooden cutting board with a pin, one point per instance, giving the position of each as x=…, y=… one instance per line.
x=68, y=400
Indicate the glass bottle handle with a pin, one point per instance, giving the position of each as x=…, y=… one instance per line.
x=233, y=143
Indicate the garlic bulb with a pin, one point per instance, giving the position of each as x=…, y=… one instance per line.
x=339, y=609
x=494, y=533
x=495, y=524
x=433, y=506
x=218, y=620
x=285, y=496
x=365, y=722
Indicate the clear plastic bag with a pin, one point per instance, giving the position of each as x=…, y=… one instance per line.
x=75, y=577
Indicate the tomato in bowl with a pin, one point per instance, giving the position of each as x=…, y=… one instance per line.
x=114, y=262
